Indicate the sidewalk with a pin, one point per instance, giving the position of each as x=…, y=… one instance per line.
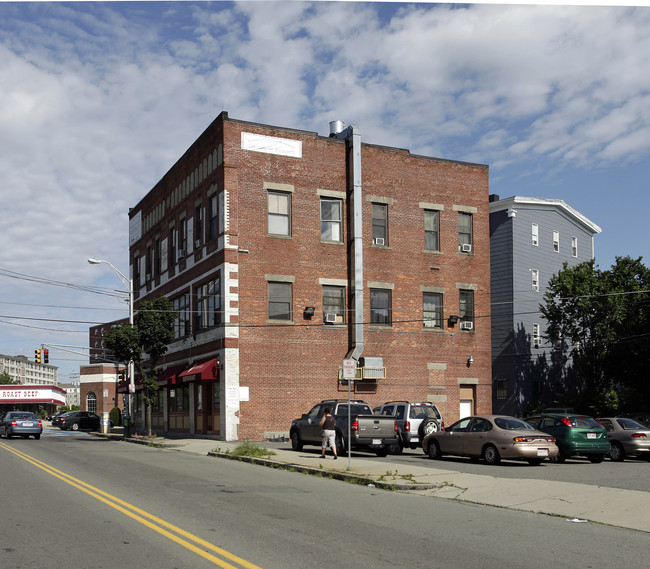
x=576, y=502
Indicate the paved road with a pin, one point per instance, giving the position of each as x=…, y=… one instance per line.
x=85, y=501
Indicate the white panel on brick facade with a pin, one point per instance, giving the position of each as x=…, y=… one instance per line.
x=271, y=145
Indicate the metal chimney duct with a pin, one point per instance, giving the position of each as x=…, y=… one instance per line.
x=336, y=128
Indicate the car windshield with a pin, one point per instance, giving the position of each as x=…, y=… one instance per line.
x=584, y=423
x=512, y=424
x=630, y=425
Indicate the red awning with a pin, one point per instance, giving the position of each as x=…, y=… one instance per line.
x=168, y=376
x=205, y=370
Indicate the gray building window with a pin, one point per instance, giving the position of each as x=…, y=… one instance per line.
x=279, y=213
x=208, y=305
x=331, y=220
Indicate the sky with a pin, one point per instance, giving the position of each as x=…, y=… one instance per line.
x=99, y=99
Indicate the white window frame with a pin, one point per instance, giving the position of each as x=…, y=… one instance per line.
x=534, y=275
x=535, y=234
x=574, y=246
x=279, y=217
x=556, y=241
x=331, y=229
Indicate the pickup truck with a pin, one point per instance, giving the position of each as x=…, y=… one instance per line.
x=368, y=432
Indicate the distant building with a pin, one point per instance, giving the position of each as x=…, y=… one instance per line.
x=72, y=398
x=97, y=389
x=530, y=240
x=27, y=372
x=286, y=253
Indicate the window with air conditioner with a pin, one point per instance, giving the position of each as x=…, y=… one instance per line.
x=379, y=224
x=465, y=231
x=466, y=309
x=334, y=304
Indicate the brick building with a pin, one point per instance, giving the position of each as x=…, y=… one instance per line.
x=285, y=252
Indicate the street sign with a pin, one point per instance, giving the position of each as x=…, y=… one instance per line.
x=349, y=369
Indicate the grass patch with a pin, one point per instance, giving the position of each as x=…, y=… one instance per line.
x=248, y=448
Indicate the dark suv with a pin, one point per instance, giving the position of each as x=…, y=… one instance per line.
x=414, y=421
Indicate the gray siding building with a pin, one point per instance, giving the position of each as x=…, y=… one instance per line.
x=530, y=239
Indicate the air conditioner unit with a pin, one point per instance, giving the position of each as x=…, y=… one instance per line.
x=197, y=243
x=147, y=278
x=466, y=248
x=378, y=241
x=330, y=317
x=181, y=253
x=467, y=325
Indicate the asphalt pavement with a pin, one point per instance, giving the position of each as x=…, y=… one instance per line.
x=577, y=503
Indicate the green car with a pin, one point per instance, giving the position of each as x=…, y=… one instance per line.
x=576, y=435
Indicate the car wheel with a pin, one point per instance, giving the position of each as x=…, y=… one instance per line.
x=433, y=450
x=427, y=427
x=74, y=426
x=596, y=458
x=339, y=443
x=560, y=458
x=491, y=455
x=382, y=452
x=36, y=437
x=396, y=448
x=617, y=453
x=534, y=461
x=296, y=443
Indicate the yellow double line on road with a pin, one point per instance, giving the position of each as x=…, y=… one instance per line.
x=179, y=536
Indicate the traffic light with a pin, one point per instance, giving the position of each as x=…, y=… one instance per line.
x=46, y=356
x=37, y=356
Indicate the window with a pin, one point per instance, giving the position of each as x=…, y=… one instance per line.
x=502, y=388
x=432, y=310
x=535, y=234
x=157, y=258
x=465, y=231
x=91, y=402
x=432, y=230
x=208, y=305
x=466, y=306
x=556, y=241
x=171, y=248
x=534, y=273
x=537, y=340
x=379, y=224
x=280, y=301
x=380, y=307
x=198, y=226
x=279, y=212
x=334, y=304
x=149, y=262
x=182, y=322
x=331, y=221
x=212, y=217
x=182, y=237
x=136, y=271
x=574, y=246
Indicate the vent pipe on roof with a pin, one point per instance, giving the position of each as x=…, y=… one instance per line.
x=336, y=128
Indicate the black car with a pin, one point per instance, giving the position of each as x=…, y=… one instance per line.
x=56, y=418
x=79, y=421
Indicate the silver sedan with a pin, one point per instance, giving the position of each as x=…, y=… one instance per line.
x=627, y=437
x=492, y=437
x=21, y=424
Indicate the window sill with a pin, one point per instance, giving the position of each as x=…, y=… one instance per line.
x=281, y=322
x=276, y=236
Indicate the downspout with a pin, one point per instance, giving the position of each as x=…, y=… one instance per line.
x=352, y=136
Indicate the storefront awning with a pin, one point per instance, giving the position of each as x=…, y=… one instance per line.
x=205, y=370
x=169, y=376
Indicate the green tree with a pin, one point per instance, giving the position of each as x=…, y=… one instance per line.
x=598, y=323
x=145, y=343
x=5, y=379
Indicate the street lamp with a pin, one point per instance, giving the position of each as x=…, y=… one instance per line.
x=128, y=284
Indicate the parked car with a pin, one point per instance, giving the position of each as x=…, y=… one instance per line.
x=577, y=435
x=627, y=437
x=79, y=421
x=21, y=423
x=491, y=437
x=56, y=418
x=414, y=421
x=368, y=432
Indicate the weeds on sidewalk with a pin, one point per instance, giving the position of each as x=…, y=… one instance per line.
x=248, y=448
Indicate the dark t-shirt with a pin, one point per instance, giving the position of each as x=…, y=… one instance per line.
x=330, y=423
